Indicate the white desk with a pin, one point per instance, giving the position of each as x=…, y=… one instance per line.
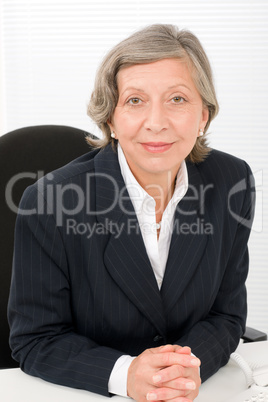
x=15, y=386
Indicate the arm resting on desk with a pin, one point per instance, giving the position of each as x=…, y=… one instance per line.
x=43, y=337
x=215, y=337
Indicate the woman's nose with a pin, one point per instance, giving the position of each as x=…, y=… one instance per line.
x=156, y=119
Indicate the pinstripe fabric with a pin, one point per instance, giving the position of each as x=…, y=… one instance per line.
x=78, y=302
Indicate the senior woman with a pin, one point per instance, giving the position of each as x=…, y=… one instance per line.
x=130, y=262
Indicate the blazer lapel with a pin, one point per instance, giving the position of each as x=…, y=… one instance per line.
x=188, y=241
x=125, y=255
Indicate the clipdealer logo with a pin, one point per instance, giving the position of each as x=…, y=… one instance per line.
x=56, y=195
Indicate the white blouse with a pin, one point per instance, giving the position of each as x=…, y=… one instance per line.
x=157, y=249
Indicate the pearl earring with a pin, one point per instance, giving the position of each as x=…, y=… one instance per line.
x=201, y=132
x=112, y=134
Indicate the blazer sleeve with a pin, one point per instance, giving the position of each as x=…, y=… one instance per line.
x=42, y=335
x=215, y=337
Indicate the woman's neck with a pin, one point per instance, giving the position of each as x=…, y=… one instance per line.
x=161, y=187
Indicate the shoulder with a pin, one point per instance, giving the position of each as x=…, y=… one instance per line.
x=66, y=177
x=220, y=159
x=224, y=167
x=73, y=170
x=229, y=178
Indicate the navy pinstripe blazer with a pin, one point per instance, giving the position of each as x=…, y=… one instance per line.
x=83, y=291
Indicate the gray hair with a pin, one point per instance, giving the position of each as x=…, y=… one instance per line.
x=153, y=43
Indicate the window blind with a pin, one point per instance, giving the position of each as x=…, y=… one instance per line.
x=50, y=51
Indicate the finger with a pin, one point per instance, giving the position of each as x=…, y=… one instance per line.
x=171, y=372
x=182, y=384
x=183, y=349
x=174, y=377
x=170, y=358
x=169, y=348
x=162, y=349
x=168, y=374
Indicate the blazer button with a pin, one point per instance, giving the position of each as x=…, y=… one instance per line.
x=158, y=338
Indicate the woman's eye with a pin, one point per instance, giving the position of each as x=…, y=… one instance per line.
x=134, y=101
x=178, y=99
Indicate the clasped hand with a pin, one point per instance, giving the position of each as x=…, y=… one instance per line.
x=167, y=373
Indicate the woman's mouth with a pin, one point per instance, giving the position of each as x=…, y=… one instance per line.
x=156, y=147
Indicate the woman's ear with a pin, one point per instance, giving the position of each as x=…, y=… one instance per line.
x=110, y=125
x=205, y=116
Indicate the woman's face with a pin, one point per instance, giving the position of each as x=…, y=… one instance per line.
x=157, y=117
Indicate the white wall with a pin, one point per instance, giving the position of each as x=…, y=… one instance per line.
x=2, y=79
x=51, y=51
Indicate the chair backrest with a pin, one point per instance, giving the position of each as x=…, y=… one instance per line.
x=26, y=155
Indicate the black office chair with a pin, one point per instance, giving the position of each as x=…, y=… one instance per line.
x=34, y=151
